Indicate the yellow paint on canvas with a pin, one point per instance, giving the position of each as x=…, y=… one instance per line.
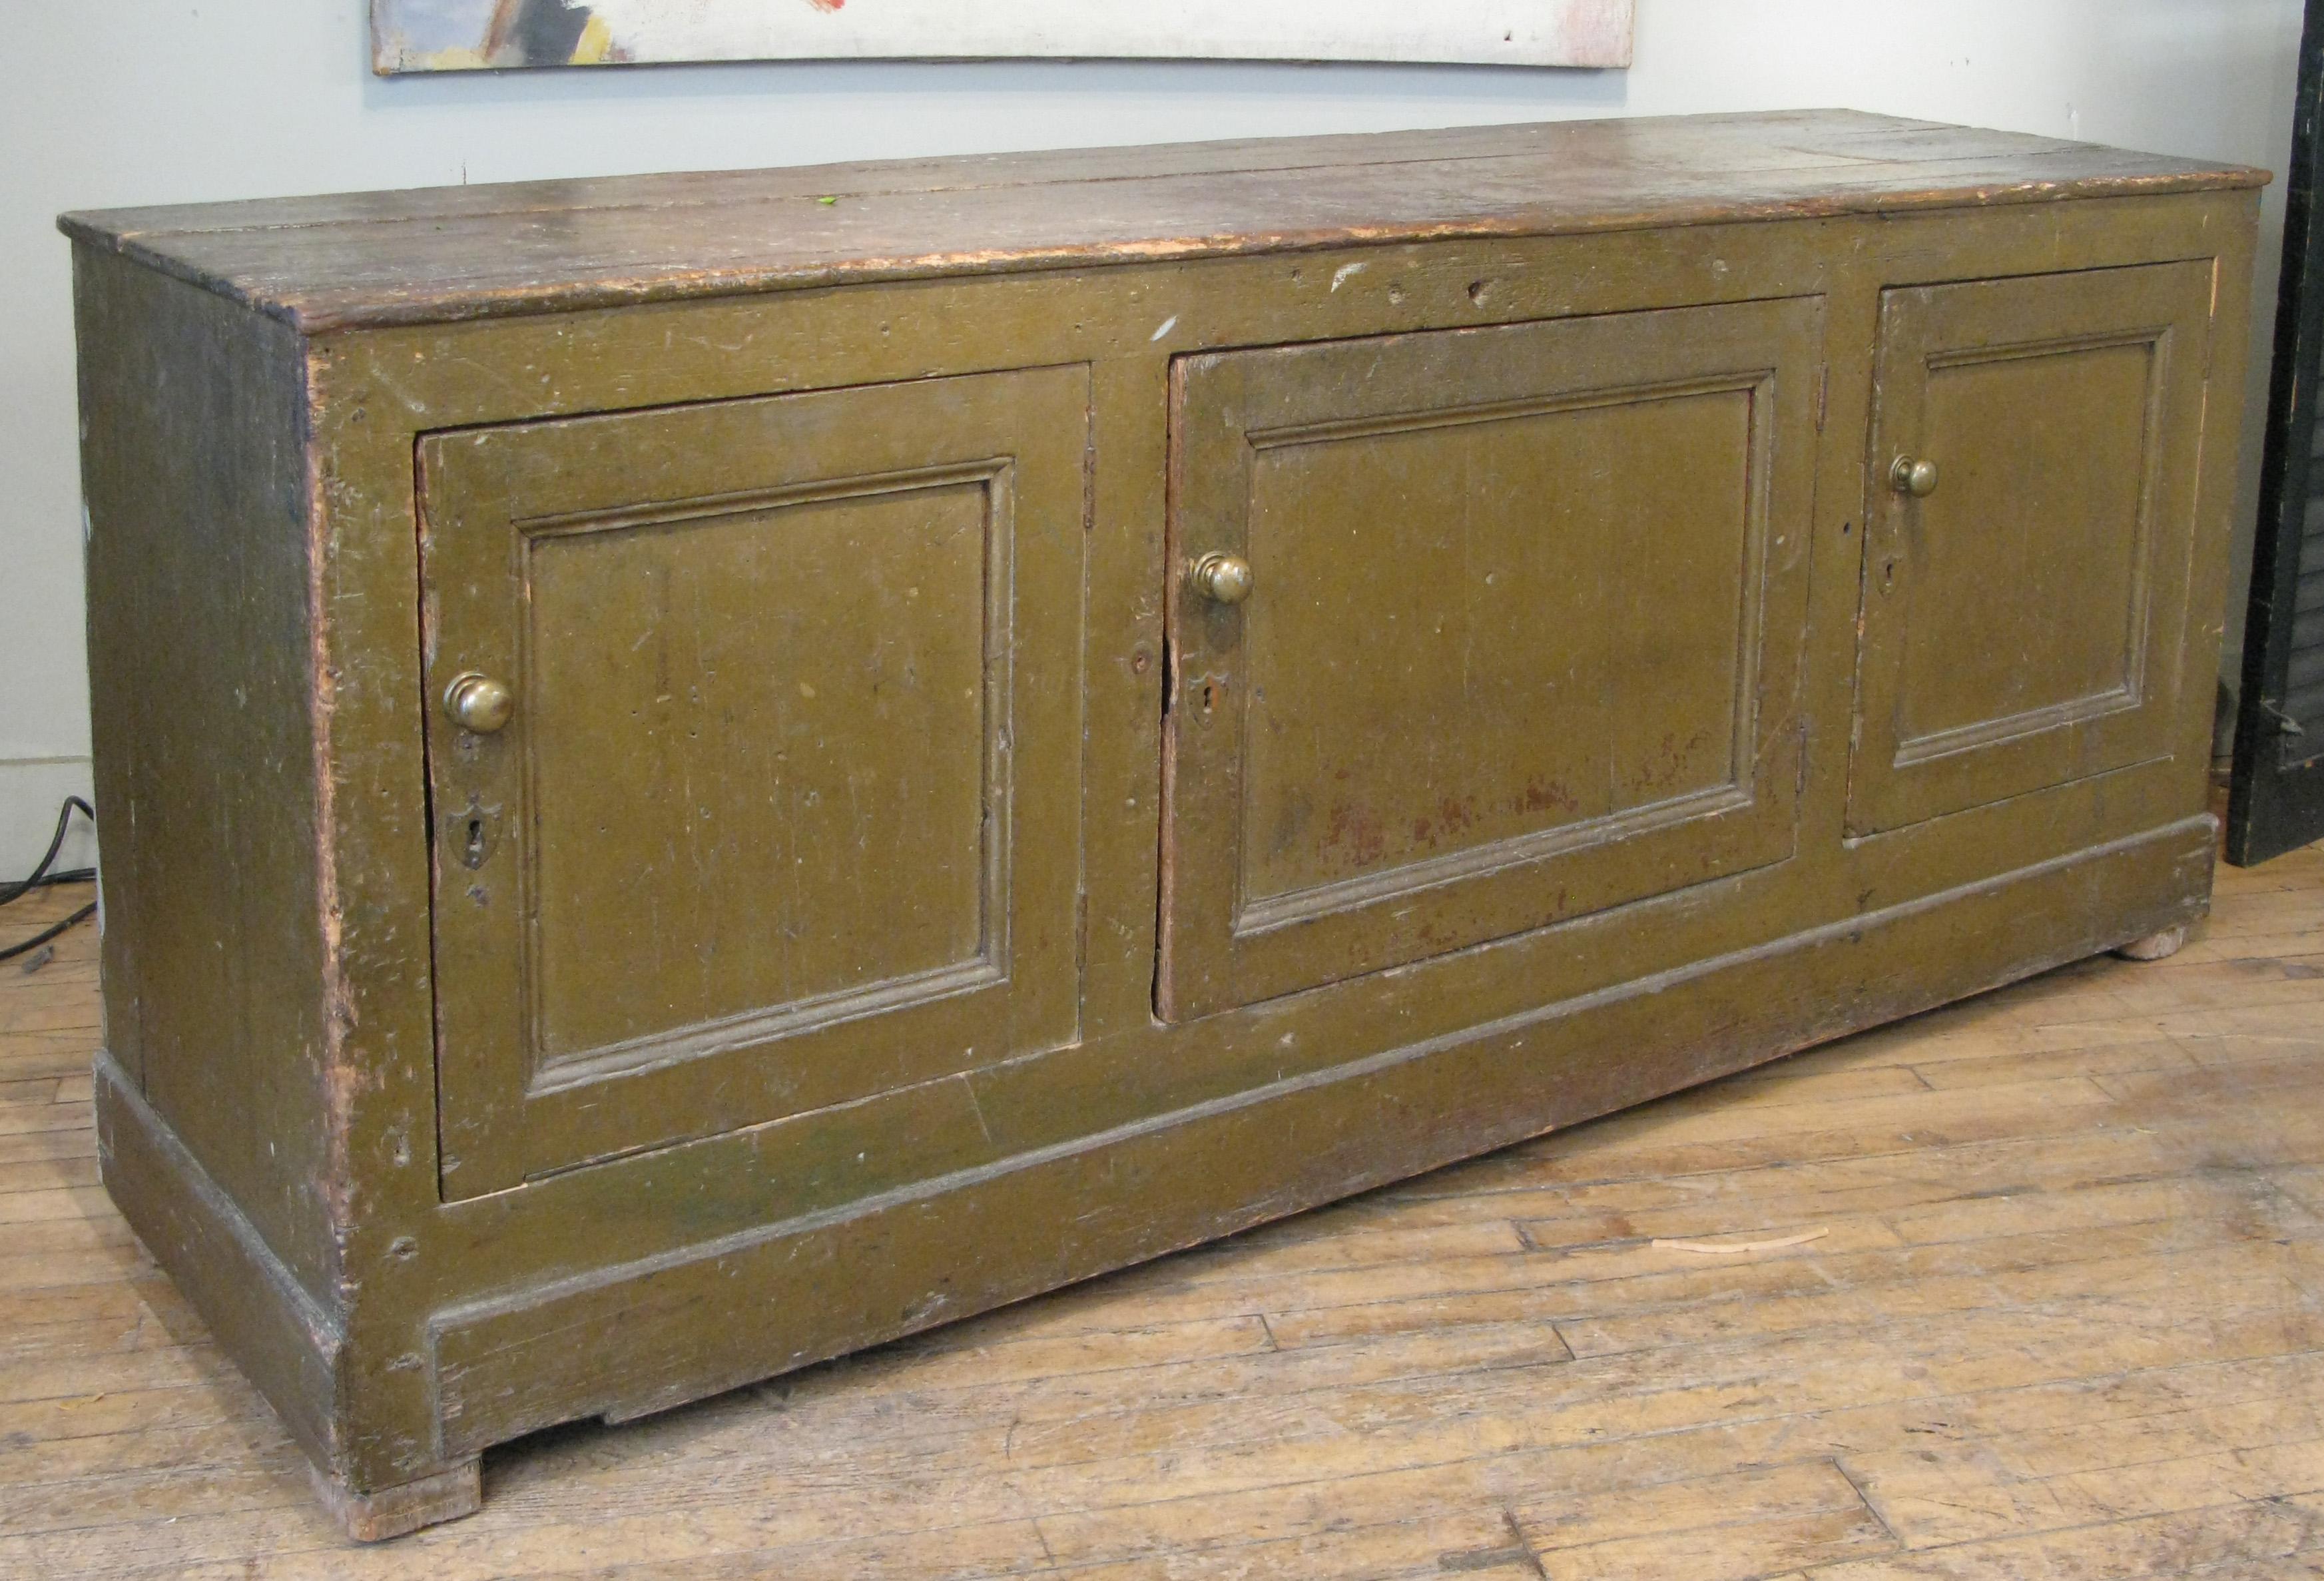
x=459, y=60
x=596, y=45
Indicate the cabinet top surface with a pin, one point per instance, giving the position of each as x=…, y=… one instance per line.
x=436, y=254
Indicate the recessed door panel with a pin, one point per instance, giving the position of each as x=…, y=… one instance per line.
x=2032, y=471
x=1520, y=640
x=788, y=681
x=728, y=750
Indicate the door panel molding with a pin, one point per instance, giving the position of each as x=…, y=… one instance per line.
x=791, y=674
x=1972, y=684
x=1560, y=493
x=552, y=1070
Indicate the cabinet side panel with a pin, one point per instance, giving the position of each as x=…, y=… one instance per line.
x=202, y=686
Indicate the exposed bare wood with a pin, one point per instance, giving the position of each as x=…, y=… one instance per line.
x=451, y=252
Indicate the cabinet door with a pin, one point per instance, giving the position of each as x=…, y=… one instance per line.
x=785, y=812
x=1521, y=640
x=2023, y=617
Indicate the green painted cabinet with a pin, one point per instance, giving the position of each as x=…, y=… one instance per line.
x=701, y=771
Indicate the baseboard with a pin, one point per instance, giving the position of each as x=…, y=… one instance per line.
x=637, y=1337
x=284, y=1341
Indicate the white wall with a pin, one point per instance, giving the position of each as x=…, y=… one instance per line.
x=119, y=102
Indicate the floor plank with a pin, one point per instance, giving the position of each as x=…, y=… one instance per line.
x=2060, y=1314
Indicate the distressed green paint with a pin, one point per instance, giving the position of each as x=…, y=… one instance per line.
x=1017, y=375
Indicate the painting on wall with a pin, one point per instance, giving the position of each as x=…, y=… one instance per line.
x=457, y=35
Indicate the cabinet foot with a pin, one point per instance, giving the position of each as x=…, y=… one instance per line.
x=385, y=1513
x=2154, y=947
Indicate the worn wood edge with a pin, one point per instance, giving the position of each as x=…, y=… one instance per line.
x=326, y=311
x=932, y=174
x=285, y=1341
x=406, y=1507
x=205, y=411
x=910, y=177
x=162, y=238
x=625, y=1341
x=2154, y=947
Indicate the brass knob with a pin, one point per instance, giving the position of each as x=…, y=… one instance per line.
x=1917, y=478
x=1223, y=577
x=479, y=702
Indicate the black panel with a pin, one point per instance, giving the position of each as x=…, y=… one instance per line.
x=2277, y=801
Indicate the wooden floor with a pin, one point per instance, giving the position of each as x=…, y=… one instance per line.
x=2062, y=1317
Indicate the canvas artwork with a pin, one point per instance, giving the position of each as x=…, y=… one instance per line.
x=454, y=36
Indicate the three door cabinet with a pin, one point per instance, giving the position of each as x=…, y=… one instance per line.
x=700, y=772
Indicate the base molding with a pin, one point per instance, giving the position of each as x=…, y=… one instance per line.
x=385, y=1513
x=637, y=1337
x=285, y=1341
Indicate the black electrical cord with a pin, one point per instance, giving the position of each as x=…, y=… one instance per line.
x=41, y=878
